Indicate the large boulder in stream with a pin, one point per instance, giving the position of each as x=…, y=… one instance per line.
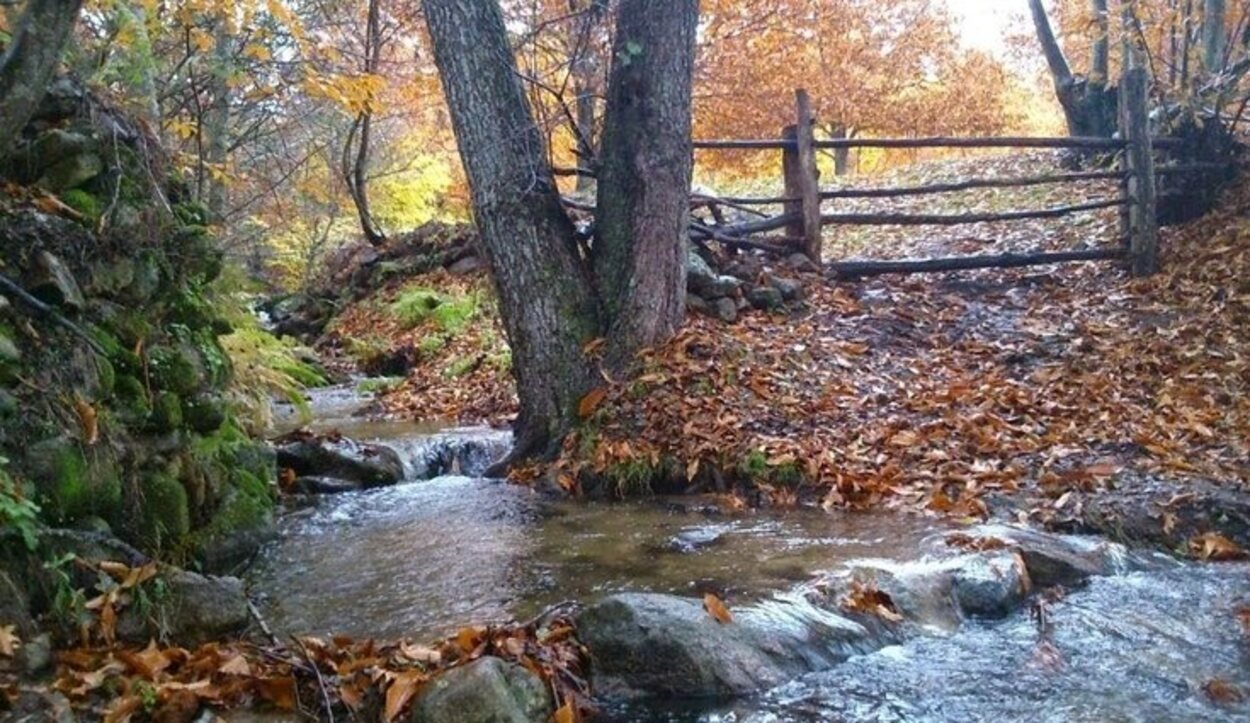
x=671, y=647
x=369, y=465
x=488, y=690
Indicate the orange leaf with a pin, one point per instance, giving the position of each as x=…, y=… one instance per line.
x=400, y=693
x=278, y=691
x=87, y=419
x=566, y=714
x=469, y=638
x=237, y=665
x=587, y=405
x=9, y=641
x=1214, y=546
x=717, y=609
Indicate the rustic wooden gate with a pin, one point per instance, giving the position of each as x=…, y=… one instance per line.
x=803, y=218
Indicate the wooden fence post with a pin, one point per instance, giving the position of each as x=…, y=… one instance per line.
x=1142, y=221
x=802, y=178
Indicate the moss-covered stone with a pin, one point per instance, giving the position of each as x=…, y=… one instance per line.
x=67, y=486
x=204, y=413
x=112, y=276
x=146, y=281
x=166, y=412
x=176, y=369
x=164, y=517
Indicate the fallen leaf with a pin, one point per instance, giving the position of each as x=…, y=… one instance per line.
x=1222, y=691
x=588, y=403
x=236, y=665
x=400, y=692
x=87, y=419
x=1215, y=547
x=566, y=714
x=717, y=609
x=9, y=640
x=280, y=691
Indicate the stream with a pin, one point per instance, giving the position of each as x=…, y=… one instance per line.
x=425, y=557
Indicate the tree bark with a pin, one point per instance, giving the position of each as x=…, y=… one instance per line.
x=584, y=66
x=546, y=296
x=355, y=159
x=555, y=296
x=1099, y=71
x=645, y=173
x=1213, y=36
x=1088, y=106
x=28, y=64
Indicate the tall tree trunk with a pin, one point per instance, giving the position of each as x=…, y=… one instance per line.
x=1089, y=107
x=217, y=121
x=29, y=62
x=584, y=66
x=644, y=174
x=1099, y=63
x=1213, y=36
x=355, y=158
x=545, y=293
x=556, y=296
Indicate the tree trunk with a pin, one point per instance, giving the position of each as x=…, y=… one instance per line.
x=355, y=158
x=645, y=173
x=29, y=62
x=545, y=293
x=1099, y=63
x=1088, y=106
x=217, y=122
x=1213, y=36
x=584, y=66
x=554, y=295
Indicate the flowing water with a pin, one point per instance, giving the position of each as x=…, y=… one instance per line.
x=425, y=557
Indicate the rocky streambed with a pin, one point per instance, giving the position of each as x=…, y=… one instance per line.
x=830, y=617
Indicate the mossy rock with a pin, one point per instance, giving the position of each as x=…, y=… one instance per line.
x=148, y=277
x=164, y=519
x=177, y=369
x=67, y=486
x=112, y=276
x=72, y=172
x=204, y=413
x=198, y=251
x=166, y=412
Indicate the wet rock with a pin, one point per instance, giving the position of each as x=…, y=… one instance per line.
x=488, y=690
x=1058, y=559
x=697, y=305
x=324, y=485
x=991, y=585
x=922, y=592
x=370, y=465
x=765, y=298
x=51, y=281
x=1167, y=515
x=191, y=609
x=700, y=538
x=668, y=646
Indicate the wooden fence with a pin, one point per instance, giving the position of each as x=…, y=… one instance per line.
x=803, y=216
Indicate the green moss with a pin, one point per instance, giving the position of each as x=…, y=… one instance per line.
x=431, y=344
x=204, y=413
x=448, y=313
x=164, y=518
x=66, y=485
x=462, y=365
x=175, y=369
x=166, y=412
x=756, y=468
x=84, y=203
x=378, y=384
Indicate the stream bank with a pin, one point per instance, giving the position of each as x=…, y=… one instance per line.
x=834, y=616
